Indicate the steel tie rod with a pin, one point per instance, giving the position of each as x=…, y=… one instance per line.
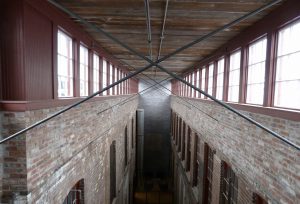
x=74, y=105
x=174, y=75
x=185, y=47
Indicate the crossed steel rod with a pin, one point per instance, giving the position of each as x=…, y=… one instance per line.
x=162, y=69
x=156, y=63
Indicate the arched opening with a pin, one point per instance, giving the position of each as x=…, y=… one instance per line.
x=112, y=171
x=76, y=194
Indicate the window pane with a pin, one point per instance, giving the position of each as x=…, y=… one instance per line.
x=287, y=82
x=203, y=81
x=96, y=72
x=116, y=79
x=220, y=79
x=83, y=71
x=256, y=72
x=193, y=83
x=110, y=78
x=104, y=76
x=65, y=76
x=210, y=78
x=234, y=76
x=197, y=82
x=119, y=85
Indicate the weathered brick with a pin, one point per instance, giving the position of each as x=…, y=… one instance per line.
x=263, y=164
x=54, y=156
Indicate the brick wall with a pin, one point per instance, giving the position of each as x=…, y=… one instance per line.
x=13, y=156
x=263, y=164
x=71, y=147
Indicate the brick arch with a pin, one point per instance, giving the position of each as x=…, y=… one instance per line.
x=76, y=193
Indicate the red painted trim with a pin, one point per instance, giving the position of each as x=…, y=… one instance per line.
x=76, y=50
x=54, y=63
x=195, y=81
x=113, y=80
x=215, y=73
x=206, y=78
x=270, y=69
x=101, y=73
x=200, y=80
x=90, y=72
x=108, y=77
x=226, y=76
x=243, y=74
x=287, y=114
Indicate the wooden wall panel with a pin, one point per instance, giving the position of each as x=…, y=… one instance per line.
x=38, y=52
x=11, y=47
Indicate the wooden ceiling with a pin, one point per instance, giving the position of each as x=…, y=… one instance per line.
x=186, y=21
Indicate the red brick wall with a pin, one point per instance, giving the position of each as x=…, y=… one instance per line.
x=263, y=164
x=13, y=157
x=71, y=147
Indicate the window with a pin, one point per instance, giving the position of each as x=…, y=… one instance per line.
x=96, y=72
x=197, y=82
x=125, y=147
x=181, y=88
x=104, y=76
x=178, y=129
x=65, y=76
x=183, y=141
x=196, y=161
x=116, y=79
x=110, y=78
x=194, y=83
x=257, y=199
x=132, y=133
x=209, y=165
x=175, y=126
x=234, y=76
x=287, y=82
x=203, y=81
x=126, y=85
x=84, y=71
x=188, y=150
x=229, y=185
x=180, y=134
x=112, y=169
x=256, y=72
x=191, y=82
x=210, y=79
x=76, y=194
x=120, y=85
x=220, y=79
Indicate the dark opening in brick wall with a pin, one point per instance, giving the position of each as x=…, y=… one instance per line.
x=76, y=194
x=112, y=168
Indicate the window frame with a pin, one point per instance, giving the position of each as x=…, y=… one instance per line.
x=104, y=76
x=95, y=82
x=246, y=69
x=203, y=81
x=222, y=76
x=86, y=69
x=210, y=79
x=72, y=59
x=274, y=67
x=208, y=173
x=229, y=71
x=229, y=185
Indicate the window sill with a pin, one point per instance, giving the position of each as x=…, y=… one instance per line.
x=283, y=113
x=21, y=106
